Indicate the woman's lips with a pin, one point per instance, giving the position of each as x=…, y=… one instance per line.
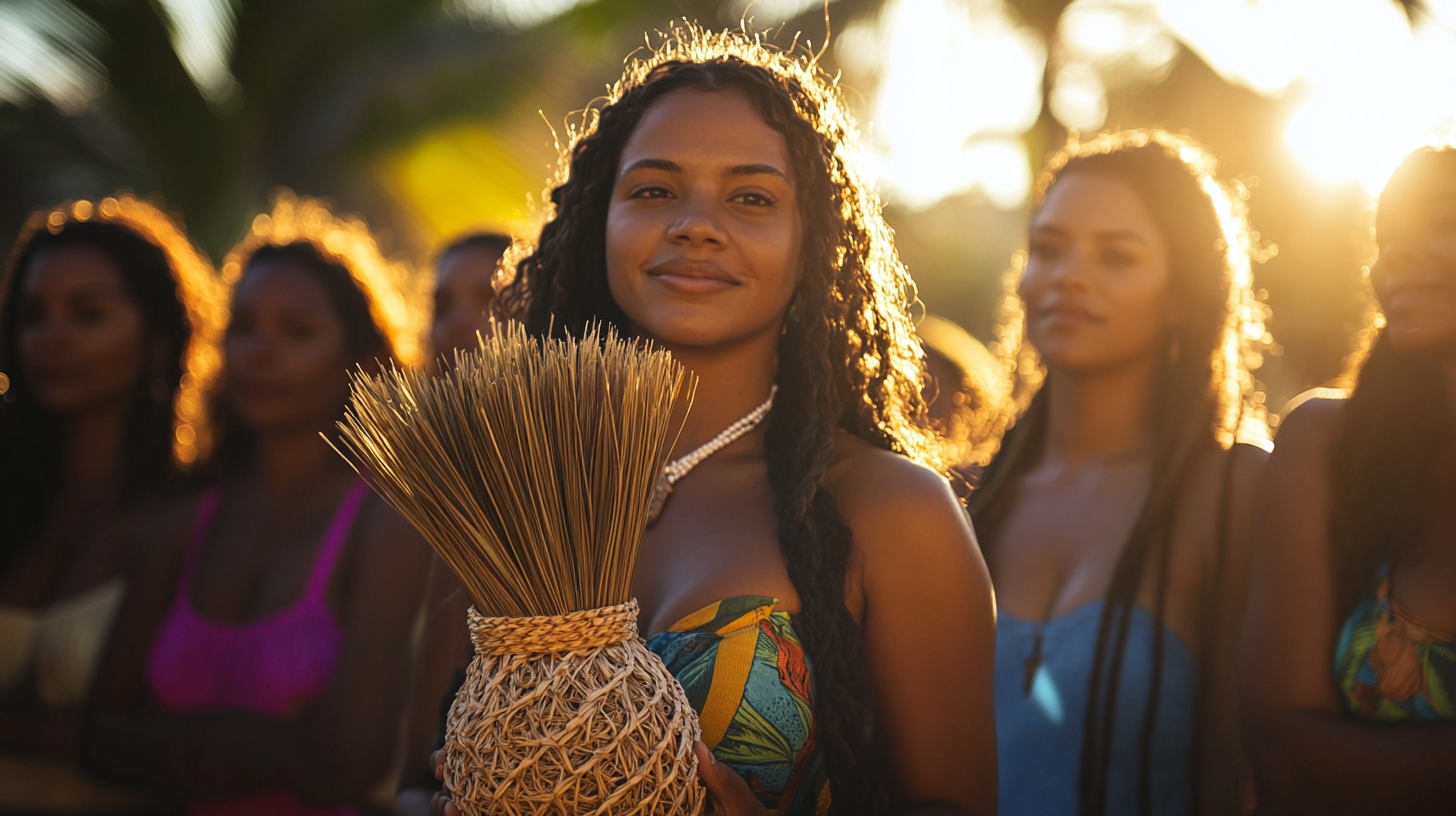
x=1053, y=316
x=692, y=277
x=1407, y=294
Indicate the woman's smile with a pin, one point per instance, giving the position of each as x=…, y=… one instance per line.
x=692, y=277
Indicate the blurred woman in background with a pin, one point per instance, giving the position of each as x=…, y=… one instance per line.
x=464, y=293
x=262, y=657
x=1114, y=518
x=1355, y=548
x=961, y=395
x=102, y=311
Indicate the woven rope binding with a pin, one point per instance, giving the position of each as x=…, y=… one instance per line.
x=549, y=634
x=570, y=714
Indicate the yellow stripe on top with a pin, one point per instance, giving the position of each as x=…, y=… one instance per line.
x=730, y=674
x=697, y=619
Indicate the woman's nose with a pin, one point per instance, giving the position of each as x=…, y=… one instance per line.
x=697, y=222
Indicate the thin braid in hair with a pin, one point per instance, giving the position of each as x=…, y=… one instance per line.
x=1205, y=398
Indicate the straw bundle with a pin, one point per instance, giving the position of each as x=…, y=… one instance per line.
x=529, y=467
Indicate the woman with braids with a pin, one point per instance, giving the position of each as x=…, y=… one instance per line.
x=1114, y=518
x=264, y=645
x=814, y=586
x=102, y=307
x=1349, y=671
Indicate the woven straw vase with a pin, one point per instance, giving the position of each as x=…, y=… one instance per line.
x=570, y=714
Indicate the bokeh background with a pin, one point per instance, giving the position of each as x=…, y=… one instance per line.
x=432, y=117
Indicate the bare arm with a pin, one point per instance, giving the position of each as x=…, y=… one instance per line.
x=1224, y=770
x=331, y=753
x=930, y=636
x=443, y=650
x=1308, y=754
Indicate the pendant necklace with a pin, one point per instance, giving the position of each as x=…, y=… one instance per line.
x=678, y=468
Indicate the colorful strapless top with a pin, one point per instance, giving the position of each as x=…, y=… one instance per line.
x=1391, y=666
x=746, y=674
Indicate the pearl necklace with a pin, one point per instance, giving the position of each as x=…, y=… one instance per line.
x=678, y=468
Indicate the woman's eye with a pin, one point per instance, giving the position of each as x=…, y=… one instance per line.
x=1044, y=250
x=651, y=192
x=754, y=199
x=300, y=331
x=1117, y=257
x=90, y=315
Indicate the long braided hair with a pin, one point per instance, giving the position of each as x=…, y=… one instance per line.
x=1203, y=396
x=850, y=361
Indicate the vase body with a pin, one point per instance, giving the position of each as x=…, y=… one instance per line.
x=568, y=715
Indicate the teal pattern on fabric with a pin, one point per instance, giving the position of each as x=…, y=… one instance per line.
x=746, y=674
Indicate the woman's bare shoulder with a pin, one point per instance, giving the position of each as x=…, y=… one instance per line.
x=879, y=480
x=1306, y=432
x=890, y=500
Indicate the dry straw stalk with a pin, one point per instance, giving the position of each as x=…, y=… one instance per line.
x=529, y=467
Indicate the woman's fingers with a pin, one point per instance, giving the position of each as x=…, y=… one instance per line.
x=440, y=803
x=729, y=794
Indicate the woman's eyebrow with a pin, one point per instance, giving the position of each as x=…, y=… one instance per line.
x=758, y=170
x=1121, y=235
x=653, y=164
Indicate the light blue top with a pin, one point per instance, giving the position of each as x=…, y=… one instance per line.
x=1039, y=730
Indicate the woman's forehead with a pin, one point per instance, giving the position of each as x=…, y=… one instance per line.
x=282, y=280
x=1087, y=202
x=698, y=131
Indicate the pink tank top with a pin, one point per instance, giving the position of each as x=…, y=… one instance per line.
x=275, y=665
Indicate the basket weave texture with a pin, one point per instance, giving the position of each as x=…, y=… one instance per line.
x=570, y=714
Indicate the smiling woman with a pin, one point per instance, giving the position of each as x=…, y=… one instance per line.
x=814, y=583
x=1356, y=568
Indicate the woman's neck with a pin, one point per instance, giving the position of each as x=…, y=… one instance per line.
x=93, y=449
x=731, y=383
x=1102, y=415
x=294, y=460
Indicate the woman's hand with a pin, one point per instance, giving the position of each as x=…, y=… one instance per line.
x=728, y=794
x=440, y=803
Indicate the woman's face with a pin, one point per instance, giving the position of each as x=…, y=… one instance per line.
x=1097, y=285
x=703, y=231
x=81, y=336
x=462, y=299
x=1415, y=275
x=286, y=350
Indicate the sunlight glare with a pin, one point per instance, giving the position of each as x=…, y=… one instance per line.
x=517, y=13
x=959, y=82
x=46, y=50
x=1102, y=45
x=202, y=36
x=1369, y=85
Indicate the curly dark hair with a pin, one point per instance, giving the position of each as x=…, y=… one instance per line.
x=1204, y=398
x=1391, y=428
x=850, y=361
x=32, y=439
